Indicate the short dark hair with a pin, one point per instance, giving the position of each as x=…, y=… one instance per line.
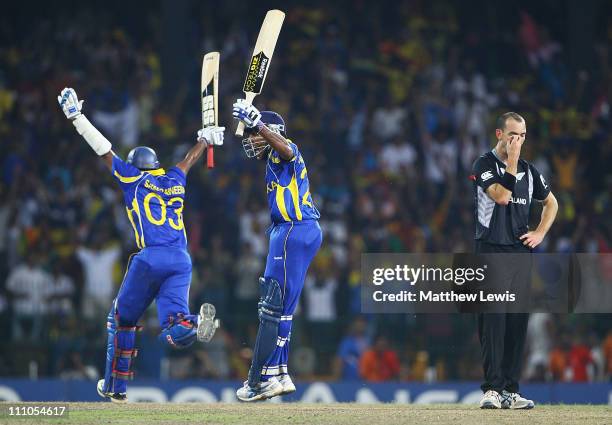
x=501, y=121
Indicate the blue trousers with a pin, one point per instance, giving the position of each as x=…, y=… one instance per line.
x=293, y=246
x=162, y=274
x=156, y=273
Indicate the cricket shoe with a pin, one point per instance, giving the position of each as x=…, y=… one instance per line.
x=207, y=325
x=114, y=397
x=515, y=401
x=490, y=400
x=287, y=383
x=261, y=391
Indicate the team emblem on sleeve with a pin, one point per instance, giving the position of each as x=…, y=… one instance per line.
x=486, y=176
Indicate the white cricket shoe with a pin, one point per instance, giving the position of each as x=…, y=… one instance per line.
x=114, y=397
x=207, y=325
x=490, y=400
x=515, y=401
x=287, y=383
x=262, y=391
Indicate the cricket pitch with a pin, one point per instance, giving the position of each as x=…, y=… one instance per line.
x=297, y=413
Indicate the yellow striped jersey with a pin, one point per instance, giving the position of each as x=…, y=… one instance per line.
x=288, y=190
x=154, y=203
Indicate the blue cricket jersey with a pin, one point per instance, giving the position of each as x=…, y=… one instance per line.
x=154, y=204
x=288, y=189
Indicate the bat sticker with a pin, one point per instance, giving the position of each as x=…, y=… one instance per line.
x=257, y=73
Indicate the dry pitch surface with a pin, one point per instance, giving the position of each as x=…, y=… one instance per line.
x=294, y=413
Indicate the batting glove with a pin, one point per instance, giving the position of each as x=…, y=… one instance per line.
x=70, y=103
x=246, y=113
x=212, y=136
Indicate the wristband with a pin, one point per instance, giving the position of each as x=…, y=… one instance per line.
x=92, y=136
x=508, y=181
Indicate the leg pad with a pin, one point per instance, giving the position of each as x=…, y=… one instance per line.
x=180, y=333
x=270, y=313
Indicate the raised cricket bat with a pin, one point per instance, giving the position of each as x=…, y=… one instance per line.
x=210, y=98
x=261, y=58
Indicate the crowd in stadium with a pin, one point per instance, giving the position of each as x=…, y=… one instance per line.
x=389, y=121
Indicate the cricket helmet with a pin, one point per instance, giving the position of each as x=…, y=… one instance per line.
x=275, y=123
x=143, y=158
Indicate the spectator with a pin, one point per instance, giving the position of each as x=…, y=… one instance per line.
x=319, y=298
x=539, y=342
x=98, y=263
x=350, y=351
x=212, y=361
x=420, y=367
x=379, y=363
x=27, y=285
x=246, y=293
x=61, y=293
x=319, y=294
x=387, y=120
x=72, y=367
x=579, y=360
x=558, y=363
x=398, y=157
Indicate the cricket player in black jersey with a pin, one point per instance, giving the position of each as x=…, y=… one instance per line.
x=504, y=188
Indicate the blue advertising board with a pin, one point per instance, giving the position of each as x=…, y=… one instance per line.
x=307, y=392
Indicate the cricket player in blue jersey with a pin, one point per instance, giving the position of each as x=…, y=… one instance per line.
x=161, y=270
x=295, y=238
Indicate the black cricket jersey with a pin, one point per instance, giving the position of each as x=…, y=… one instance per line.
x=504, y=224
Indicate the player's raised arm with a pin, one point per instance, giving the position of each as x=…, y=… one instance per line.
x=251, y=117
x=71, y=105
x=502, y=192
x=499, y=188
x=209, y=136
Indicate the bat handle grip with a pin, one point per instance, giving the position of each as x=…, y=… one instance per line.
x=240, y=129
x=210, y=157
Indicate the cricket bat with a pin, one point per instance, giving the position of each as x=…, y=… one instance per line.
x=210, y=98
x=261, y=58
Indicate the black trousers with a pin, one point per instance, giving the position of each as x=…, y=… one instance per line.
x=502, y=335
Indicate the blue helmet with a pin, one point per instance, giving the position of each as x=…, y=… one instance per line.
x=273, y=121
x=259, y=149
x=143, y=158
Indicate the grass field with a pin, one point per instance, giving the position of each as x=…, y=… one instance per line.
x=294, y=413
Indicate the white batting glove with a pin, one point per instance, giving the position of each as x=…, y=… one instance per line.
x=70, y=103
x=246, y=113
x=212, y=136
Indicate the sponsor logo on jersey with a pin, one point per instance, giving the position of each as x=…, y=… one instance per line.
x=486, y=176
x=521, y=201
x=543, y=181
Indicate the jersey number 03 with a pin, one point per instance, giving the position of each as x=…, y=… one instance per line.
x=175, y=223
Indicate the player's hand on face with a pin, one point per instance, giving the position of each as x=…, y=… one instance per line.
x=248, y=114
x=532, y=239
x=514, y=147
x=212, y=136
x=70, y=103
